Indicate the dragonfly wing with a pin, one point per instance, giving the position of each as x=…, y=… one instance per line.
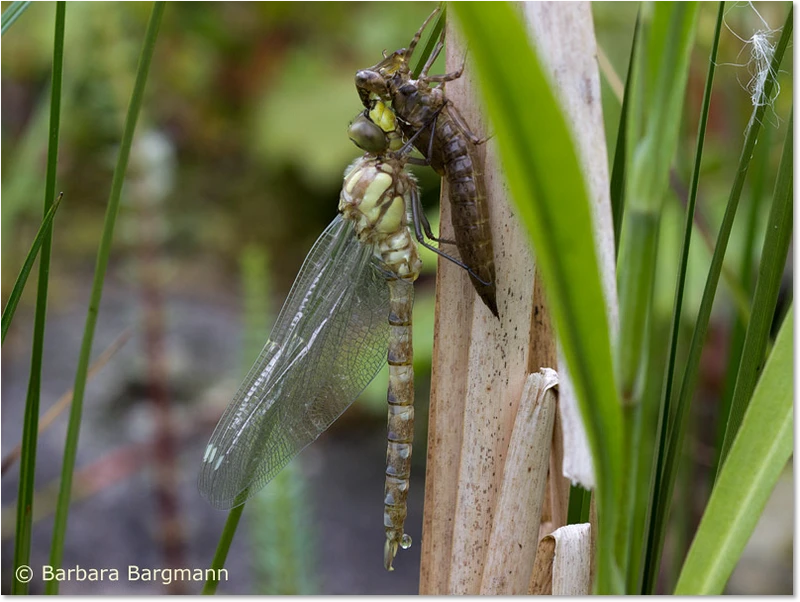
x=328, y=343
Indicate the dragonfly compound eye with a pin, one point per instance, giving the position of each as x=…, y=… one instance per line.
x=367, y=136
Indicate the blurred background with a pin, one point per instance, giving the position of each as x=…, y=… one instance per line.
x=235, y=171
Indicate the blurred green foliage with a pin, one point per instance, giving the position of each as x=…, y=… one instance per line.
x=255, y=98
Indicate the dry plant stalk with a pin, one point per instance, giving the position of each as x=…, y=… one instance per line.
x=542, y=576
x=518, y=511
x=571, y=561
x=480, y=364
x=563, y=563
x=479, y=369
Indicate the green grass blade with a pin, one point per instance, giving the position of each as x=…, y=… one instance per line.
x=11, y=14
x=746, y=276
x=30, y=427
x=758, y=454
x=27, y=266
x=773, y=259
x=549, y=193
x=617, y=185
x=579, y=499
x=661, y=71
x=657, y=333
x=224, y=545
x=73, y=429
x=656, y=95
x=673, y=437
x=634, y=575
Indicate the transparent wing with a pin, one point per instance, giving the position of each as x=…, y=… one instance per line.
x=328, y=343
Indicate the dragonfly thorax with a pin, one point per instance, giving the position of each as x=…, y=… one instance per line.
x=374, y=197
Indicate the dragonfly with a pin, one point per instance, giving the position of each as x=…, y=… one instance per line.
x=449, y=147
x=351, y=302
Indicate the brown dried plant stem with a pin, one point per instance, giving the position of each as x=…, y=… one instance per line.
x=149, y=256
x=480, y=363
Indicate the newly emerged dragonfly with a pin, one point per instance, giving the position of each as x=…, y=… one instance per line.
x=351, y=301
x=443, y=137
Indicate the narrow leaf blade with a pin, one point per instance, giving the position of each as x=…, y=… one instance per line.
x=757, y=457
x=27, y=266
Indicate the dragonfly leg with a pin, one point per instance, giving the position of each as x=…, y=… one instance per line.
x=434, y=55
x=415, y=211
x=432, y=126
x=446, y=77
x=406, y=148
x=421, y=219
x=419, y=215
x=461, y=124
x=418, y=35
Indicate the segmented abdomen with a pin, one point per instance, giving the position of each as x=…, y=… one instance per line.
x=453, y=156
x=469, y=211
x=401, y=418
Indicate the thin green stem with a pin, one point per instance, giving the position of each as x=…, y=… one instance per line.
x=27, y=266
x=648, y=418
x=666, y=469
x=30, y=428
x=773, y=258
x=638, y=255
x=636, y=289
x=11, y=14
x=210, y=587
x=73, y=429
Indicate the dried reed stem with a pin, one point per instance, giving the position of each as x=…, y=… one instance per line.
x=480, y=364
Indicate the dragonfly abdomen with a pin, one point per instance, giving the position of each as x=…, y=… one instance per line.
x=400, y=420
x=375, y=190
